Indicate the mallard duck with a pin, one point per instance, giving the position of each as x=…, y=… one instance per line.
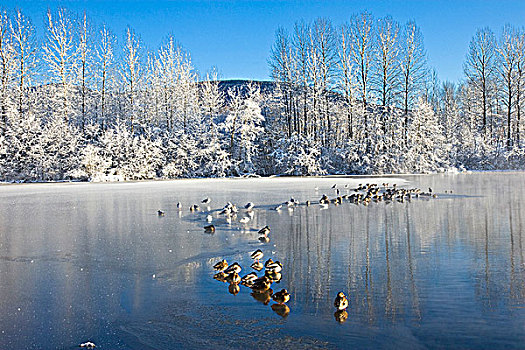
x=233, y=278
x=341, y=302
x=249, y=206
x=206, y=200
x=88, y=345
x=265, y=230
x=257, y=255
x=264, y=239
x=249, y=278
x=160, y=212
x=268, y=262
x=220, y=276
x=257, y=266
x=341, y=316
x=221, y=265
x=281, y=309
x=281, y=297
x=195, y=207
x=275, y=267
x=234, y=289
x=261, y=284
x=209, y=229
x=235, y=267
x=275, y=277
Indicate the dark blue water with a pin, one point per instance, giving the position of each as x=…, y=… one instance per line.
x=94, y=262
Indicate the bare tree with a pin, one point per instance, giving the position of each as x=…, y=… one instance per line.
x=84, y=64
x=300, y=45
x=362, y=30
x=60, y=54
x=480, y=68
x=388, y=66
x=131, y=70
x=413, y=67
x=322, y=45
x=281, y=65
x=346, y=77
x=24, y=47
x=105, y=58
x=519, y=46
x=6, y=68
x=507, y=73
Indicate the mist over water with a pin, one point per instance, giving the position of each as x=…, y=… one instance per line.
x=95, y=262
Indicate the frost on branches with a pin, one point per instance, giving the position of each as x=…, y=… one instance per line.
x=78, y=104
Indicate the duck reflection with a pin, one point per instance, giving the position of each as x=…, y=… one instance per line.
x=341, y=316
x=263, y=297
x=281, y=309
x=234, y=289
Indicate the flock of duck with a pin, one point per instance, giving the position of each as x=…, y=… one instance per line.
x=364, y=194
x=260, y=286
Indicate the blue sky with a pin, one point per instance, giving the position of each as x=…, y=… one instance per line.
x=236, y=36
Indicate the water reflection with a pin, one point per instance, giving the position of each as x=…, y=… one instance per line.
x=420, y=273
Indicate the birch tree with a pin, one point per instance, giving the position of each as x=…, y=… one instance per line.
x=105, y=69
x=60, y=54
x=6, y=70
x=24, y=43
x=480, y=69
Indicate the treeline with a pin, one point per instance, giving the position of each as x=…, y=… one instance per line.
x=359, y=98
x=359, y=85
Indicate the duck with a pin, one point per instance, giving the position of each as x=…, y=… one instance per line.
x=268, y=262
x=261, y=284
x=278, y=208
x=209, y=218
x=341, y=302
x=209, y=229
x=195, y=207
x=274, y=276
x=179, y=205
x=257, y=255
x=220, y=276
x=265, y=230
x=160, y=212
x=257, y=265
x=275, y=267
x=281, y=297
x=206, y=200
x=249, y=206
x=233, y=278
x=307, y=203
x=249, y=278
x=264, y=239
x=221, y=265
x=235, y=267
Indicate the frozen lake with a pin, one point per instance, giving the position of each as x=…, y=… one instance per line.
x=94, y=262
